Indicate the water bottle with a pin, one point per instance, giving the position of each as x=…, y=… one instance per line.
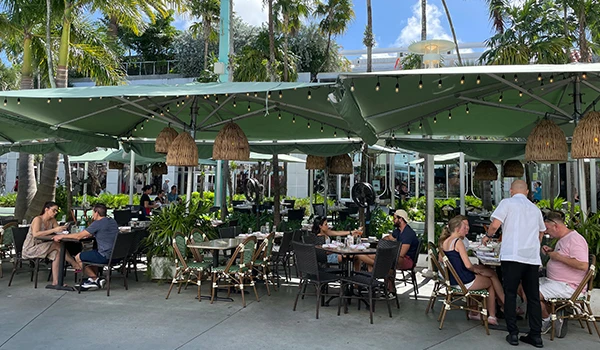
x=82, y=224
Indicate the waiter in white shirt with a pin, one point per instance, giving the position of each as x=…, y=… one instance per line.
x=522, y=229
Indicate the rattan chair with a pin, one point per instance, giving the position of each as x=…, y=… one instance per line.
x=235, y=274
x=308, y=269
x=262, y=262
x=186, y=271
x=577, y=307
x=5, y=246
x=409, y=276
x=456, y=297
x=376, y=282
x=439, y=277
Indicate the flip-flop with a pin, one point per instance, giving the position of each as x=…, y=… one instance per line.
x=492, y=320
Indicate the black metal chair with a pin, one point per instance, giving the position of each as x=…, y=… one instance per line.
x=227, y=232
x=412, y=275
x=295, y=214
x=376, y=282
x=118, y=256
x=136, y=250
x=310, y=273
x=319, y=210
x=234, y=203
x=289, y=203
x=19, y=236
x=122, y=217
x=282, y=257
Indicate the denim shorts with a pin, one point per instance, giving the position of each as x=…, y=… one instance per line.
x=92, y=256
x=332, y=258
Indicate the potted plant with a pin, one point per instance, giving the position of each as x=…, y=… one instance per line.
x=163, y=226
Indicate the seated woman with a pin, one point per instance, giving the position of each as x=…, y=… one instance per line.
x=45, y=224
x=321, y=228
x=474, y=277
x=160, y=199
x=146, y=204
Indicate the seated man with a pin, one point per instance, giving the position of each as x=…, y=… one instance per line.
x=172, y=196
x=567, y=266
x=105, y=231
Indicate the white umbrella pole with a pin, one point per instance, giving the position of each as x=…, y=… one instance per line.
x=417, y=185
x=85, y=178
x=311, y=186
x=582, y=189
x=430, y=217
x=593, y=186
x=392, y=178
x=462, y=183
x=131, y=175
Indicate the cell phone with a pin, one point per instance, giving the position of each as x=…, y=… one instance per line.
x=69, y=224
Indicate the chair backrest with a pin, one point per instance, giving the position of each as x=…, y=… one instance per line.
x=233, y=223
x=227, y=232
x=245, y=252
x=269, y=249
x=384, y=258
x=19, y=235
x=418, y=253
x=295, y=214
x=310, y=238
x=196, y=236
x=286, y=242
x=234, y=203
x=297, y=237
x=260, y=251
x=588, y=280
x=387, y=243
x=137, y=241
x=434, y=256
x=289, y=202
x=319, y=209
x=7, y=233
x=122, y=217
x=592, y=262
x=180, y=249
x=306, y=259
x=450, y=270
x=122, y=245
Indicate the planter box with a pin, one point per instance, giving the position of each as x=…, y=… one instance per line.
x=162, y=268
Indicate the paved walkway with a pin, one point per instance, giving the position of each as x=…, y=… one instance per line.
x=141, y=318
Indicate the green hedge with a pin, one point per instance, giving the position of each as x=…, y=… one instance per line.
x=9, y=200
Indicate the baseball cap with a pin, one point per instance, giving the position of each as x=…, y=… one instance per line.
x=401, y=213
x=167, y=180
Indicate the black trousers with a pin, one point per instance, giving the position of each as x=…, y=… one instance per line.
x=514, y=273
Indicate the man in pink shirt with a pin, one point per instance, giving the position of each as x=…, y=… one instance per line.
x=567, y=266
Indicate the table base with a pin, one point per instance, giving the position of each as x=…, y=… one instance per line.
x=59, y=287
x=217, y=298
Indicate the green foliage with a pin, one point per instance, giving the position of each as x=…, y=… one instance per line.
x=590, y=230
x=381, y=223
x=9, y=77
x=475, y=202
x=416, y=207
x=310, y=45
x=348, y=224
x=248, y=221
x=112, y=201
x=157, y=41
x=557, y=203
x=8, y=200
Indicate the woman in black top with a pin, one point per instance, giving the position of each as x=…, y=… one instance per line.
x=145, y=203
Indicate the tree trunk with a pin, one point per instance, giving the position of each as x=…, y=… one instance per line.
x=49, y=44
x=486, y=195
x=27, y=185
x=286, y=69
x=113, y=26
x=68, y=187
x=230, y=184
x=271, y=63
x=584, y=52
x=284, y=184
x=369, y=37
x=47, y=187
x=205, y=53
x=62, y=73
x=27, y=67
x=201, y=182
x=276, y=194
x=423, y=19
x=452, y=30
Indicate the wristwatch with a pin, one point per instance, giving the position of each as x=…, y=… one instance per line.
x=488, y=236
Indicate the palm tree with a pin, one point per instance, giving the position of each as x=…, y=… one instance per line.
x=209, y=11
x=271, y=25
x=497, y=13
x=47, y=185
x=292, y=12
x=452, y=30
x=336, y=16
x=423, y=19
x=368, y=39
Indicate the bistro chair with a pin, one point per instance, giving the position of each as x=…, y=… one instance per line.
x=196, y=236
x=295, y=214
x=282, y=256
x=577, y=307
x=119, y=255
x=308, y=268
x=19, y=236
x=376, y=282
x=456, y=296
x=134, y=256
x=409, y=275
x=439, y=277
x=227, y=232
x=186, y=271
x=122, y=217
x=6, y=241
x=262, y=262
x=235, y=274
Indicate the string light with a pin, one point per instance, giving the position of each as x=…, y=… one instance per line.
x=352, y=85
x=162, y=114
x=408, y=130
x=18, y=101
x=421, y=82
x=309, y=95
x=247, y=94
x=378, y=85
x=393, y=135
x=449, y=114
x=269, y=94
x=520, y=93
x=478, y=79
x=335, y=133
x=256, y=94
x=500, y=98
x=434, y=120
x=135, y=129
x=420, y=125
x=90, y=99
x=308, y=125
x=584, y=75
x=321, y=127
x=147, y=120
x=551, y=79
x=234, y=103
x=217, y=100
x=294, y=119
x=397, y=86
x=503, y=77
x=142, y=127
x=5, y=102
x=280, y=94
x=248, y=106
x=462, y=80
x=168, y=109
x=467, y=109
x=48, y=101
x=440, y=83
x=539, y=77
x=59, y=99
x=279, y=115
x=182, y=102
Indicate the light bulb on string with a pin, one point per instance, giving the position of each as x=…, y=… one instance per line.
x=269, y=94
x=168, y=109
x=182, y=102
x=48, y=101
x=378, y=85
x=147, y=120
x=335, y=133
x=177, y=105
x=234, y=103
x=397, y=86
x=500, y=98
x=434, y=120
x=462, y=80
x=393, y=135
x=309, y=95
x=18, y=101
x=440, y=83
x=420, y=125
x=449, y=114
x=280, y=94
x=408, y=130
x=321, y=127
x=142, y=127
x=478, y=81
x=584, y=75
x=516, y=78
x=467, y=109
x=162, y=114
x=520, y=93
x=539, y=77
x=248, y=106
x=308, y=125
x=59, y=99
x=247, y=94
x=256, y=94
x=135, y=129
x=217, y=100
x=294, y=119
x=551, y=79
x=279, y=115
x=5, y=102
x=420, y=82
x=90, y=99
x=352, y=86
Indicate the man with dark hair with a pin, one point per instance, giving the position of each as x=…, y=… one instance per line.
x=105, y=231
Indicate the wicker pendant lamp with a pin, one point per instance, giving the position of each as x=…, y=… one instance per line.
x=231, y=143
x=586, y=137
x=546, y=143
x=115, y=165
x=513, y=168
x=164, y=140
x=341, y=164
x=486, y=171
x=315, y=163
x=183, y=151
x=159, y=169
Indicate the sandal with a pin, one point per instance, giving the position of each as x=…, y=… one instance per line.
x=492, y=320
x=474, y=316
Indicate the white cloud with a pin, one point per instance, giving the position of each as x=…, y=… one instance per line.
x=412, y=31
x=251, y=11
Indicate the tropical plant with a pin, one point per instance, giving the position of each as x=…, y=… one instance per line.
x=335, y=17
x=209, y=11
x=156, y=41
x=368, y=39
x=8, y=200
x=381, y=223
x=460, y=63
x=248, y=221
x=9, y=77
x=590, y=230
x=292, y=12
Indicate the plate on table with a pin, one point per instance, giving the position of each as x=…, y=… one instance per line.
x=483, y=248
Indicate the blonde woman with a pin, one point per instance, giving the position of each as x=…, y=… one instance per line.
x=474, y=277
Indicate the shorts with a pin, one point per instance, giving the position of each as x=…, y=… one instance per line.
x=555, y=289
x=92, y=256
x=332, y=258
x=405, y=263
x=467, y=285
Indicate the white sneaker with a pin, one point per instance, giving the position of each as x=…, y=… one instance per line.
x=546, y=325
x=90, y=284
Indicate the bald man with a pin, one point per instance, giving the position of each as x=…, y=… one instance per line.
x=522, y=229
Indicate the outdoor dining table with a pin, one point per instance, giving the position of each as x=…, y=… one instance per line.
x=217, y=245
x=61, y=261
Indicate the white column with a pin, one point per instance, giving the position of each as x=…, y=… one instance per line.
x=149, y=176
x=417, y=181
x=218, y=182
x=311, y=187
x=447, y=174
x=188, y=190
x=408, y=182
x=593, y=186
x=569, y=182
x=430, y=198
x=462, y=185
x=85, y=177
x=131, y=175
x=392, y=179
x=582, y=188
x=339, y=187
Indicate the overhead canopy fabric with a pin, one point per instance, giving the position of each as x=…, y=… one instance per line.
x=256, y=157
x=96, y=156
x=143, y=111
x=491, y=150
x=490, y=94
x=43, y=147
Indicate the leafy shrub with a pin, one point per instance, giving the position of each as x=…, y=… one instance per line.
x=8, y=200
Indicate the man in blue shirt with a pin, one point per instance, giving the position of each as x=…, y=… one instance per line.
x=105, y=231
x=409, y=243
